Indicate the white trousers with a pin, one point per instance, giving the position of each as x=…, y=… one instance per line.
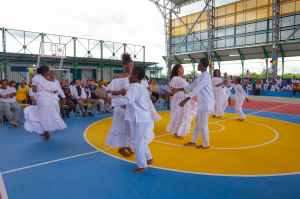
x=101, y=104
x=266, y=86
x=201, y=127
x=140, y=143
x=238, y=109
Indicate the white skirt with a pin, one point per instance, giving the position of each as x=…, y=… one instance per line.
x=221, y=102
x=119, y=134
x=43, y=117
x=181, y=117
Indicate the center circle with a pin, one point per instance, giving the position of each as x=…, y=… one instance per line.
x=257, y=142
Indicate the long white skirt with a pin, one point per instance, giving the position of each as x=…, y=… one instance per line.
x=181, y=117
x=119, y=134
x=43, y=117
x=221, y=102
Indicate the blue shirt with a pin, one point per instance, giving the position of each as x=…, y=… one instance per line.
x=163, y=87
x=92, y=88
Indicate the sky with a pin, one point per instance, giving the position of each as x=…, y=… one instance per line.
x=133, y=21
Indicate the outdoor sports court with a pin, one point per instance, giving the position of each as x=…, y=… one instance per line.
x=257, y=158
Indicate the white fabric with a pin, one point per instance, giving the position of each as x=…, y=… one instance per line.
x=278, y=81
x=136, y=102
x=203, y=89
x=140, y=143
x=106, y=87
x=145, y=83
x=289, y=87
x=44, y=116
x=181, y=117
x=249, y=87
x=220, y=96
x=239, y=92
x=273, y=88
x=201, y=127
x=238, y=109
x=33, y=94
x=248, y=74
x=56, y=97
x=6, y=92
x=83, y=93
x=258, y=86
x=294, y=81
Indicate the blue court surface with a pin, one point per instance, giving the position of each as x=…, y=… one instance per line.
x=66, y=166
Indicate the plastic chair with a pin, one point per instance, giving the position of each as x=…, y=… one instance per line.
x=21, y=97
x=160, y=101
x=66, y=106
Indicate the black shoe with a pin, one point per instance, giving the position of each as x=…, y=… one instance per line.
x=90, y=114
x=77, y=112
x=230, y=103
x=63, y=116
x=168, y=108
x=83, y=114
x=164, y=105
x=67, y=115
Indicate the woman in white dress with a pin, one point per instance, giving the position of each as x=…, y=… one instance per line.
x=119, y=134
x=43, y=118
x=181, y=117
x=220, y=94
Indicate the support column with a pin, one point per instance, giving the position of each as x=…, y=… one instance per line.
x=267, y=68
x=102, y=59
x=243, y=69
x=275, y=36
x=169, y=49
x=282, y=58
x=4, y=52
x=144, y=59
x=74, y=63
x=211, y=34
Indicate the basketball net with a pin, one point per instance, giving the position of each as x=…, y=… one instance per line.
x=53, y=48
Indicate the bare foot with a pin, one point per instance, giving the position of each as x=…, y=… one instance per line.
x=47, y=138
x=177, y=137
x=213, y=115
x=202, y=147
x=42, y=134
x=123, y=152
x=240, y=120
x=129, y=150
x=139, y=170
x=150, y=161
x=190, y=144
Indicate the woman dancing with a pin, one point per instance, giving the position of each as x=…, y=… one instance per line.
x=221, y=94
x=119, y=134
x=43, y=118
x=181, y=117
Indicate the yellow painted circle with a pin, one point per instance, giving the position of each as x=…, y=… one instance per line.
x=257, y=146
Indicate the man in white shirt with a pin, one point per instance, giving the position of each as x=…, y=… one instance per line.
x=76, y=82
x=267, y=84
x=83, y=95
x=248, y=74
x=205, y=104
x=105, y=86
x=8, y=102
x=294, y=81
x=257, y=88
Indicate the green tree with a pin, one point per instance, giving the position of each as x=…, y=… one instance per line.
x=191, y=74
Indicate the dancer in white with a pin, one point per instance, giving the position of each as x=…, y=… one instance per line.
x=240, y=95
x=43, y=118
x=59, y=92
x=181, y=117
x=138, y=114
x=119, y=134
x=205, y=104
x=221, y=94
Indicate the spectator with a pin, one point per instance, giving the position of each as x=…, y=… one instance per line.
x=254, y=82
x=227, y=84
x=92, y=87
x=249, y=87
x=32, y=96
x=284, y=86
x=8, y=102
x=154, y=88
x=231, y=79
x=274, y=87
x=191, y=80
x=294, y=80
x=163, y=91
x=257, y=88
x=101, y=95
x=73, y=85
x=87, y=82
x=146, y=85
x=74, y=92
x=24, y=89
x=248, y=74
x=83, y=95
x=290, y=87
x=278, y=82
x=65, y=88
x=267, y=84
x=67, y=82
x=296, y=89
x=12, y=84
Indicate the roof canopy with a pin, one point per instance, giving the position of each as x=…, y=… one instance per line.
x=244, y=53
x=182, y=3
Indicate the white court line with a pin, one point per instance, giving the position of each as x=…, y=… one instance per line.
x=3, y=193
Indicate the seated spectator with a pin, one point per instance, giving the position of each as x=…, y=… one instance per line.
x=67, y=82
x=278, y=82
x=257, y=88
x=32, y=96
x=145, y=83
x=12, y=84
x=92, y=87
x=101, y=95
x=106, y=86
x=249, y=87
x=8, y=102
x=254, y=82
x=294, y=80
x=83, y=95
x=290, y=87
x=274, y=87
x=284, y=86
x=163, y=91
x=73, y=90
x=267, y=84
x=154, y=88
x=231, y=79
x=296, y=89
x=24, y=89
x=65, y=88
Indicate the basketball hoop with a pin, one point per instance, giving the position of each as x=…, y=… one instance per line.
x=53, y=48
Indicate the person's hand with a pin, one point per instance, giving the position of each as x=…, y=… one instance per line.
x=123, y=107
x=88, y=99
x=247, y=99
x=174, y=90
x=70, y=95
x=182, y=103
x=107, y=100
x=123, y=92
x=225, y=82
x=55, y=91
x=64, y=101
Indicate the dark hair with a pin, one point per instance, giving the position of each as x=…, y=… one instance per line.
x=174, y=71
x=215, y=71
x=92, y=80
x=238, y=79
x=140, y=72
x=2, y=80
x=42, y=69
x=11, y=82
x=126, y=58
x=74, y=80
x=204, y=62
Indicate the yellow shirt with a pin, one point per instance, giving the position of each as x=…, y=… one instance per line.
x=96, y=84
x=298, y=87
x=24, y=90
